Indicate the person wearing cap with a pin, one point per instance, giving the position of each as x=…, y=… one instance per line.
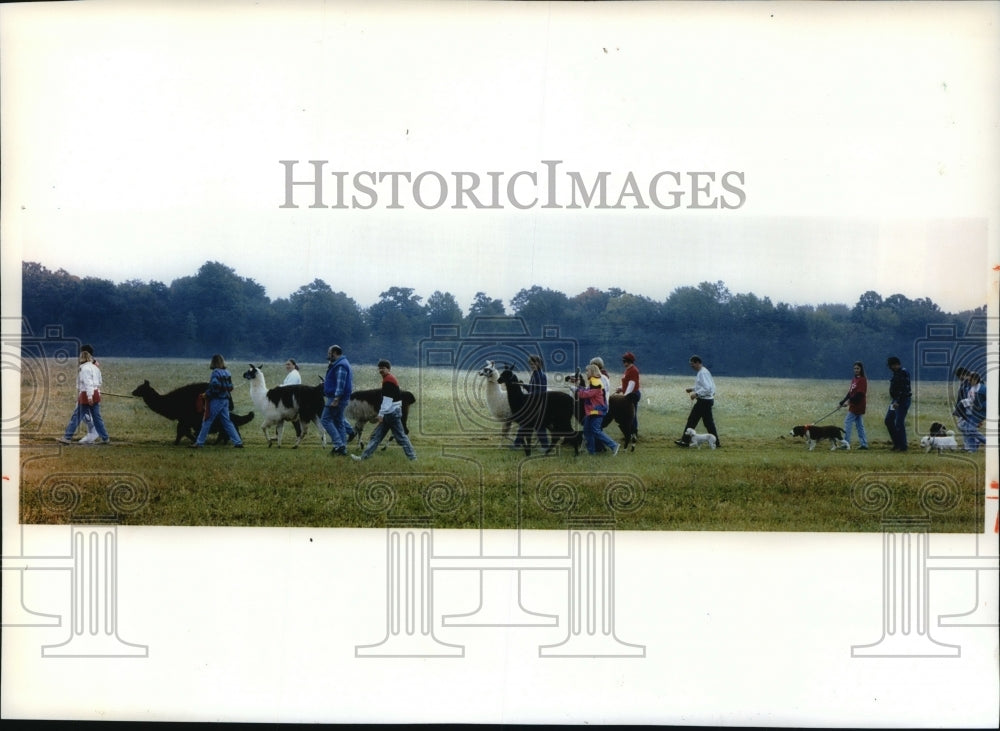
x=630, y=387
x=900, y=396
x=703, y=395
x=337, y=387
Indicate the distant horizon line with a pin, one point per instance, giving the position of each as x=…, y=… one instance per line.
x=774, y=302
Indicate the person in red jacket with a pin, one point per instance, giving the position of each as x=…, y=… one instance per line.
x=390, y=416
x=630, y=387
x=856, y=400
x=595, y=406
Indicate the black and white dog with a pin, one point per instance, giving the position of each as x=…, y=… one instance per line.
x=939, y=438
x=814, y=434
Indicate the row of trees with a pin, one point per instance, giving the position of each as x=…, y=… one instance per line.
x=215, y=310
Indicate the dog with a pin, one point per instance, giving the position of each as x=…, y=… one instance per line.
x=697, y=439
x=813, y=434
x=939, y=443
x=939, y=430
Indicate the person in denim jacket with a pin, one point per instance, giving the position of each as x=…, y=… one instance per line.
x=220, y=386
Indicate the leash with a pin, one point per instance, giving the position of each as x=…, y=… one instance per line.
x=825, y=415
x=105, y=393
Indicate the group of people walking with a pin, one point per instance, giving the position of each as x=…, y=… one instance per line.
x=593, y=389
x=969, y=410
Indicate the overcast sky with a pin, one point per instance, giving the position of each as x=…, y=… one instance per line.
x=140, y=142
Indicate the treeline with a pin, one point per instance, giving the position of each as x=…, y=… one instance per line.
x=215, y=310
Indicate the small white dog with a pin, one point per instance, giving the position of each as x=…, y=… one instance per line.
x=939, y=443
x=698, y=439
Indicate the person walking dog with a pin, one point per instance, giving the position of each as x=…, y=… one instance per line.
x=703, y=395
x=856, y=400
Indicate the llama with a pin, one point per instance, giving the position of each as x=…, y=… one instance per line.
x=285, y=403
x=186, y=406
x=496, y=399
x=364, y=407
x=556, y=416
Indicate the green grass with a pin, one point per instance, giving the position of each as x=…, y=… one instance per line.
x=762, y=480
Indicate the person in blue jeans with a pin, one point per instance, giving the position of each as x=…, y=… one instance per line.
x=390, y=416
x=337, y=387
x=856, y=401
x=900, y=396
x=595, y=406
x=88, y=403
x=220, y=386
x=974, y=404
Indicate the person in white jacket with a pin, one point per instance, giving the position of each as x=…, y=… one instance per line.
x=294, y=376
x=88, y=403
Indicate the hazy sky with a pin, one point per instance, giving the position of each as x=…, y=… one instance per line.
x=141, y=141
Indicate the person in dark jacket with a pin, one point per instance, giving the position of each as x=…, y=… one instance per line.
x=974, y=404
x=534, y=406
x=856, y=401
x=900, y=396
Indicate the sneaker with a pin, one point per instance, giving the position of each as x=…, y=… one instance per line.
x=682, y=443
x=614, y=452
x=356, y=458
x=63, y=440
x=238, y=446
x=338, y=452
x=863, y=447
x=196, y=446
x=106, y=441
x=89, y=438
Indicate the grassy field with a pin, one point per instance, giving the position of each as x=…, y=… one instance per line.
x=762, y=480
